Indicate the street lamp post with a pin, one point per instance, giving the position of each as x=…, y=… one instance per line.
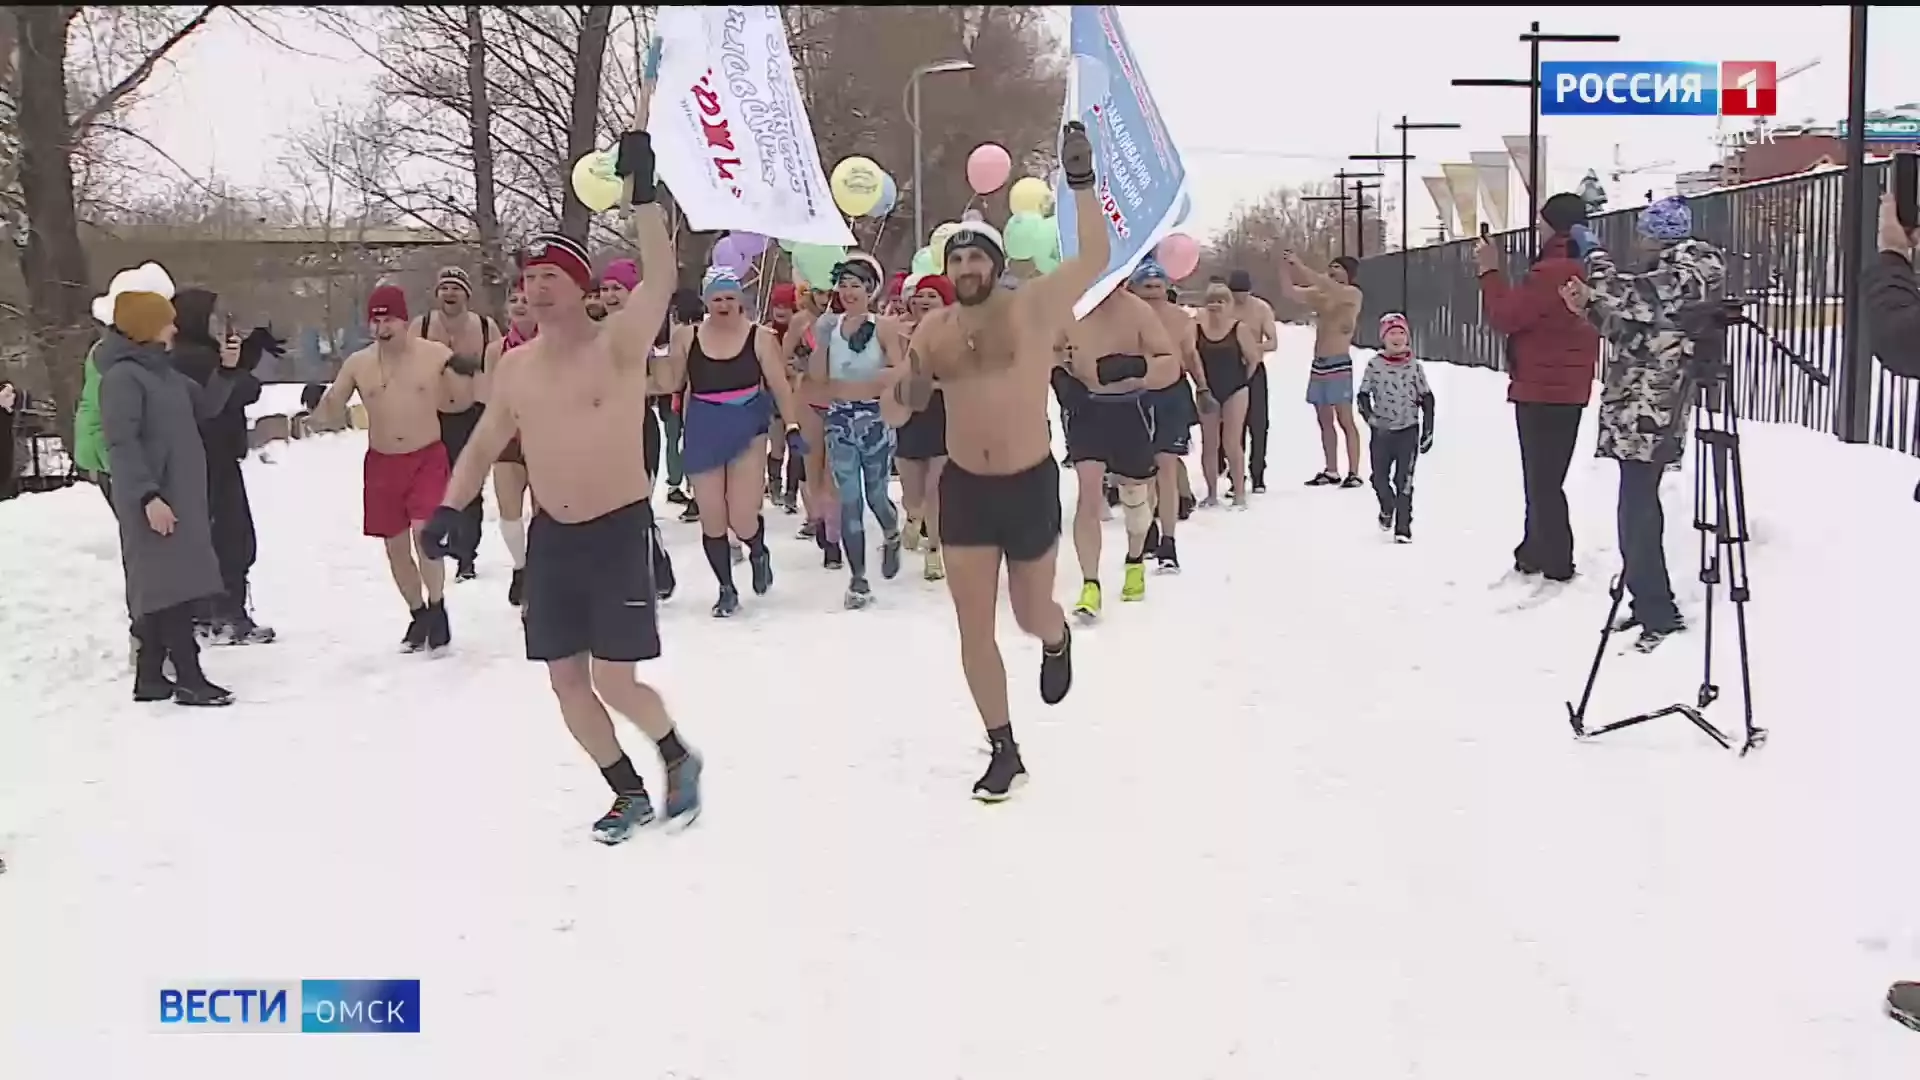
x=938, y=67
x=1533, y=39
x=1405, y=158
x=1360, y=217
x=1854, y=401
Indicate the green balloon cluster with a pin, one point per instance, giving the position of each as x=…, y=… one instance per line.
x=923, y=261
x=814, y=263
x=1029, y=236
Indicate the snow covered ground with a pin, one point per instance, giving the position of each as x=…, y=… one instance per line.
x=1313, y=810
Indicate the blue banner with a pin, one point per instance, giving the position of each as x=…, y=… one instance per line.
x=1143, y=182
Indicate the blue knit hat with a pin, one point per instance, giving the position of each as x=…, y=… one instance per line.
x=1667, y=220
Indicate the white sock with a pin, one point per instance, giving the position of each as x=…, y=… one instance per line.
x=514, y=532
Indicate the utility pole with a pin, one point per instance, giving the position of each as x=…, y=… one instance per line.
x=1360, y=217
x=1405, y=158
x=1854, y=401
x=1533, y=39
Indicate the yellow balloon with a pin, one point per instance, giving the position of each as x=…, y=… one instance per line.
x=858, y=185
x=937, y=242
x=1030, y=195
x=594, y=183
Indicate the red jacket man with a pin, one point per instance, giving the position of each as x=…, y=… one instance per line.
x=1552, y=354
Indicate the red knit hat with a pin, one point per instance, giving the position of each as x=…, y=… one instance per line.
x=387, y=302
x=939, y=284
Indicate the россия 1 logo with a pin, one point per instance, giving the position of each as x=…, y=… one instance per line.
x=1658, y=88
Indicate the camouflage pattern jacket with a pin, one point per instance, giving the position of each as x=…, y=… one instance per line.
x=1645, y=390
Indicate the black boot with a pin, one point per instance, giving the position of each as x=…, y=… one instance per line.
x=150, y=682
x=1056, y=668
x=1006, y=773
x=192, y=687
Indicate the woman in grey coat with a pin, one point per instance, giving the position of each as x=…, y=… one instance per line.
x=150, y=416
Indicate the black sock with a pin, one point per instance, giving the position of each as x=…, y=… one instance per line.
x=720, y=558
x=1002, y=737
x=622, y=778
x=775, y=466
x=671, y=752
x=757, y=543
x=1135, y=559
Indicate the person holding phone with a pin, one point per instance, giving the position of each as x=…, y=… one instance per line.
x=1893, y=294
x=1552, y=354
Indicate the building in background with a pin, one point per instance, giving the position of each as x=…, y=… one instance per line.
x=1785, y=149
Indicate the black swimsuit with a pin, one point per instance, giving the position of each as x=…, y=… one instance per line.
x=1224, y=361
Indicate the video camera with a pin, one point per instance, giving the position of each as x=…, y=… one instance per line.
x=1708, y=322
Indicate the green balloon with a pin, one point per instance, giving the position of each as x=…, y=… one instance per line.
x=788, y=246
x=923, y=261
x=1046, y=262
x=1053, y=238
x=1026, y=236
x=815, y=262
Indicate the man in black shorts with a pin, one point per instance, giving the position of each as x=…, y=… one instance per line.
x=1175, y=411
x=1118, y=352
x=991, y=354
x=577, y=392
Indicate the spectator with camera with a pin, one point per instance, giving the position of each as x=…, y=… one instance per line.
x=1551, y=357
x=195, y=352
x=1893, y=297
x=1646, y=387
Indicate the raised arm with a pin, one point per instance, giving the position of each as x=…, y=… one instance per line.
x=669, y=374
x=1306, y=296
x=637, y=323
x=1689, y=276
x=1051, y=298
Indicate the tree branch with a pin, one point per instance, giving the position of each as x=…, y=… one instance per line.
x=140, y=73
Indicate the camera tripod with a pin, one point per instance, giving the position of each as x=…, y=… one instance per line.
x=1719, y=516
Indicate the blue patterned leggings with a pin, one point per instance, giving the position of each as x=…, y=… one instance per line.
x=860, y=453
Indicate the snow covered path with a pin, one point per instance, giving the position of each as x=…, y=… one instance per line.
x=1312, y=811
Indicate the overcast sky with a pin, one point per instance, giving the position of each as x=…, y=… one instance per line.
x=1255, y=96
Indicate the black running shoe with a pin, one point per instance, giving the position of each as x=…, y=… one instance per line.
x=830, y=556
x=517, y=587
x=762, y=560
x=439, y=631
x=203, y=695
x=1187, y=505
x=676, y=496
x=728, y=605
x=1167, y=555
x=1005, y=774
x=1323, y=479
x=416, y=635
x=1386, y=520
x=1056, y=668
x=465, y=571
x=628, y=814
x=692, y=512
x=1352, y=481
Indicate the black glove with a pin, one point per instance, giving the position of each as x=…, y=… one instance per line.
x=1113, y=369
x=438, y=532
x=1206, y=402
x=1363, y=404
x=1426, y=438
x=1076, y=156
x=467, y=366
x=635, y=162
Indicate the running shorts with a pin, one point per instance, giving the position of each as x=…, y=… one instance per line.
x=1017, y=514
x=589, y=587
x=402, y=490
x=1117, y=432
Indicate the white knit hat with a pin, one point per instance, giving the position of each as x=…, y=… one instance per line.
x=145, y=278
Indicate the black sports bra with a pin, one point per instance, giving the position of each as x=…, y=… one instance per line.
x=706, y=375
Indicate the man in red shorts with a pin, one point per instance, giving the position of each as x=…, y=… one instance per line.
x=400, y=379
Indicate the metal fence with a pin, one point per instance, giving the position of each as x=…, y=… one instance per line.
x=1782, y=241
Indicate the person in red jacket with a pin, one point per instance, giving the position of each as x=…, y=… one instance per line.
x=1551, y=357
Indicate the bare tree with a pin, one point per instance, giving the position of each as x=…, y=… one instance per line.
x=856, y=62
x=118, y=50
x=1256, y=234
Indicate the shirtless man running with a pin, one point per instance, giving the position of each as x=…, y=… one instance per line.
x=1175, y=405
x=1256, y=313
x=576, y=394
x=475, y=338
x=991, y=356
x=1335, y=301
x=1120, y=353
x=402, y=380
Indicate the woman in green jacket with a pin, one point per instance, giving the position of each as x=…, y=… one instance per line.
x=89, y=444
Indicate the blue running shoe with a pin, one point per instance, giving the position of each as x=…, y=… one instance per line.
x=683, y=790
x=628, y=814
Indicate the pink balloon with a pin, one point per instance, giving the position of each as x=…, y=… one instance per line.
x=988, y=168
x=1179, y=254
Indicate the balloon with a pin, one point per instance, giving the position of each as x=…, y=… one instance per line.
x=1026, y=236
x=1179, y=254
x=857, y=183
x=923, y=262
x=1046, y=262
x=988, y=167
x=750, y=243
x=788, y=245
x=730, y=253
x=937, y=243
x=889, y=197
x=815, y=262
x=1030, y=195
x=1053, y=238
x=594, y=183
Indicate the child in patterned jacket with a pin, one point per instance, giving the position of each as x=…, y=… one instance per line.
x=1397, y=402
